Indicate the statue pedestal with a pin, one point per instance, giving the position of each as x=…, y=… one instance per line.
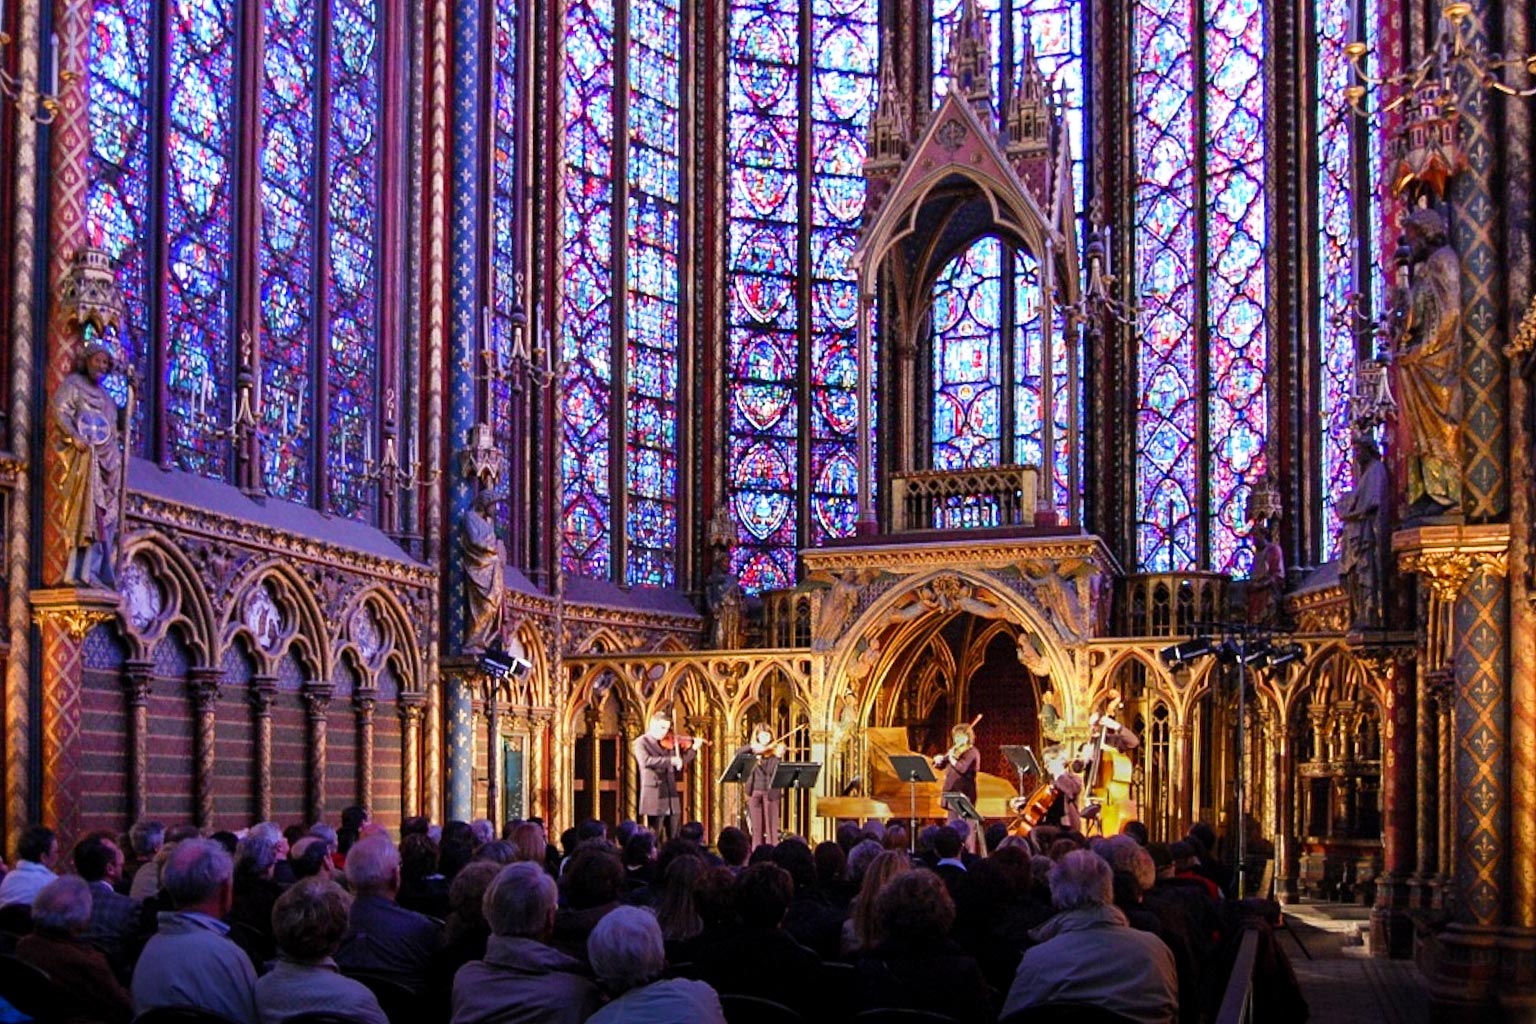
x=64, y=616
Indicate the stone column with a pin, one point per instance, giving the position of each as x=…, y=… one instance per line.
x=364, y=702
x=459, y=736
x=629, y=723
x=1391, y=929
x=136, y=688
x=203, y=688
x=1184, y=735
x=263, y=692
x=493, y=794
x=433, y=720
x=317, y=702
x=1285, y=807
x=64, y=616
x=593, y=718
x=1432, y=687
x=411, y=706
x=868, y=516
x=1482, y=727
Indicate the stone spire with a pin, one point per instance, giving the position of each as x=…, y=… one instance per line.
x=888, y=133
x=1029, y=113
x=970, y=60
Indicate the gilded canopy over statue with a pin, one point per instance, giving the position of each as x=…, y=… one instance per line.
x=1427, y=359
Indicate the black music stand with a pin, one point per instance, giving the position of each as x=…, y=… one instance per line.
x=1024, y=762
x=913, y=768
x=796, y=774
x=737, y=771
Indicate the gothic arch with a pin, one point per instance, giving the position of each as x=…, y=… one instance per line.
x=399, y=646
x=301, y=628
x=185, y=601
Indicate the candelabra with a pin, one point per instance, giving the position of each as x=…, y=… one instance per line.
x=522, y=361
x=32, y=102
x=388, y=470
x=1098, y=300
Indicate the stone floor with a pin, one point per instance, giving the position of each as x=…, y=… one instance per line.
x=1343, y=983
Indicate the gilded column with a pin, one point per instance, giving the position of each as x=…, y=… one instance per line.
x=63, y=617
x=317, y=702
x=203, y=688
x=594, y=766
x=1188, y=812
x=263, y=691
x=493, y=771
x=1285, y=808
x=629, y=724
x=136, y=687
x=432, y=753
x=364, y=702
x=1432, y=685
x=1391, y=930
x=411, y=706
x=1481, y=722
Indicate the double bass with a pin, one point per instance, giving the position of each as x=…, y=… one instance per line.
x=1107, y=788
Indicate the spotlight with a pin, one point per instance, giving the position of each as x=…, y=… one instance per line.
x=1284, y=654
x=502, y=665
x=1179, y=655
x=1258, y=658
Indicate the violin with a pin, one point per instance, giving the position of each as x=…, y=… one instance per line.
x=957, y=751
x=677, y=741
x=775, y=747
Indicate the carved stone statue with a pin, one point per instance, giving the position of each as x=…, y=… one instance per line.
x=1427, y=358
x=1363, y=561
x=1266, y=583
x=727, y=604
x=484, y=571
x=91, y=482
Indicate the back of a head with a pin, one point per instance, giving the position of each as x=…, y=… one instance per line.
x=831, y=862
x=62, y=907
x=418, y=857
x=592, y=878
x=483, y=830
x=419, y=825
x=466, y=895
x=195, y=872
x=520, y=901
x=946, y=842
x=861, y=857
x=257, y=852
x=763, y=894
x=94, y=857
x=639, y=849
x=734, y=846
x=915, y=908
x=797, y=859
x=591, y=829
x=35, y=843
x=848, y=836
x=527, y=840
x=1081, y=879
x=354, y=818
x=497, y=851
x=1206, y=837
x=181, y=833
x=307, y=857
x=146, y=837
x=1136, y=830
x=457, y=830
x=626, y=949
x=715, y=897
x=692, y=832
x=310, y=918
x=373, y=866
x=327, y=833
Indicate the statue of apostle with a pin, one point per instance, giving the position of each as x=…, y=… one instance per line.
x=1364, y=555
x=484, y=572
x=1266, y=583
x=85, y=437
x=1428, y=363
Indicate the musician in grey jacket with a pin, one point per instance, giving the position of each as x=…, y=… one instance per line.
x=659, y=767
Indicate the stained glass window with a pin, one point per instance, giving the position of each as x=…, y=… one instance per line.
x=164, y=193
x=505, y=286
x=621, y=351
x=975, y=291
x=1343, y=250
x=1201, y=423
x=769, y=279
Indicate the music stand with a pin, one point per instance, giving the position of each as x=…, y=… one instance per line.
x=961, y=805
x=796, y=774
x=1024, y=761
x=737, y=771
x=914, y=768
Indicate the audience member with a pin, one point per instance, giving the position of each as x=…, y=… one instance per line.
x=466, y=931
x=383, y=936
x=672, y=899
x=145, y=839
x=61, y=912
x=528, y=842
x=760, y=958
x=482, y=831
x=948, y=864
x=256, y=891
x=310, y=857
x=422, y=886
x=590, y=889
x=861, y=931
x=734, y=846
x=190, y=962
x=114, y=927
x=308, y=921
x=35, y=852
x=353, y=819
x=1137, y=831
x=627, y=954
x=1087, y=952
x=522, y=978
x=916, y=965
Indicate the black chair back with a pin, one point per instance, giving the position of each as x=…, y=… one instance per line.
x=31, y=989
x=16, y=918
x=400, y=1003
x=894, y=1015
x=755, y=1010
x=320, y=1018
x=1066, y=1013
x=181, y=1015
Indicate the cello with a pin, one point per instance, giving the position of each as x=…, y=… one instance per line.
x=1107, y=789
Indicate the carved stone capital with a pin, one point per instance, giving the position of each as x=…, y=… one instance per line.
x=203, y=685
x=75, y=611
x=137, y=676
x=365, y=701
x=317, y=698
x=262, y=692
x=413, y=707
x=1447, y=556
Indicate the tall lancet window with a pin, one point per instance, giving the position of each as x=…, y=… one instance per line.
x=991, y=292
x=623, y=197
x=1348, y=151
x=1199, y=102
x=796, y=196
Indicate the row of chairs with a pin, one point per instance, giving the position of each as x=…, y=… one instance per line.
x=741, y=1009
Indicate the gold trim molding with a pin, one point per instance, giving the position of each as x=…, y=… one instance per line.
x=76, y=611
x=1447, y=556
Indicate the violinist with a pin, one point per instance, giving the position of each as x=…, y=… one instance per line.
x=661, y=756
x=960, y=763
x=762, y=798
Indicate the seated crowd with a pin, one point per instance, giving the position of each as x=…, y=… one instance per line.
x=456, y=924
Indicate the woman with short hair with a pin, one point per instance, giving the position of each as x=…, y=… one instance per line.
x=309, y=921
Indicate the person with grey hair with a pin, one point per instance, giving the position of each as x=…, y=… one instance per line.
x=256, y=890
x=384, y=937
x=60, y=913
x=483, y=831
x=190, y=961
x=309, y=920
x=522, y=978
x=1087, y=953
x=35, y=853
x=628, y=954
x=145, y=839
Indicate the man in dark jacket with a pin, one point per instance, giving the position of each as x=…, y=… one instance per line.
x=659, y=765
x=383, y=936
